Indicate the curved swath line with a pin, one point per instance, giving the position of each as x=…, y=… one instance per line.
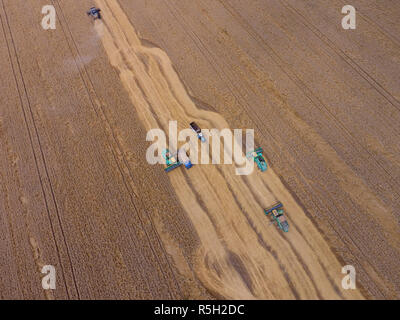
x=159, y=64
x=163, y=178
x=129, y=189
x=200, y=202
x=33, y=152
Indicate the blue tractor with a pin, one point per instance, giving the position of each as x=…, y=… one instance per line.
x=94, y=12
x=197, y=129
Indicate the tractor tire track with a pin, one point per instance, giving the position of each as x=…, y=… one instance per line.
x=346, y=58
x=307, y=91
x=117, y=149
x=22, y=104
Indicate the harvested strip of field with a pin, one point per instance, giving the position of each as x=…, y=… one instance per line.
x=77, y=192
x=240, y=256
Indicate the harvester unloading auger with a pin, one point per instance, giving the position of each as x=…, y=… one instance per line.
x=174, y=162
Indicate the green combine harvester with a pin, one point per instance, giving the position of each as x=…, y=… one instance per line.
x=170, y=161
x=258, y=159
x=276, y=212
x=173, y=162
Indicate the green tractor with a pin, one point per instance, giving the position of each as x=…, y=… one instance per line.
x=170, y=161
x=173, y=162
x=257, y=155
x=276, y=212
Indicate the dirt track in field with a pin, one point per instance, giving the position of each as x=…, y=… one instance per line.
x=77, y=191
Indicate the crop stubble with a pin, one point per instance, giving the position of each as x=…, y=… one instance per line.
x=76, y=191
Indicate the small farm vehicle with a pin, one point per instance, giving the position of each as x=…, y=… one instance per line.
x=94, y=12
x=197, y=129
